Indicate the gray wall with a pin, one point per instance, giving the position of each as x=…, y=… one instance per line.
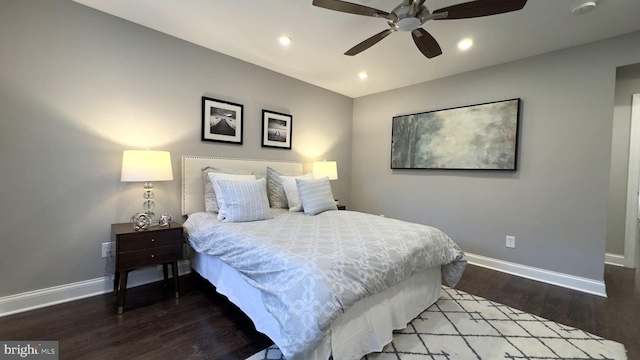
x=555, y=204
x=77, y=87
x=627, y=84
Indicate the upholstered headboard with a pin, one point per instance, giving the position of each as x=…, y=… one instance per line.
x=193, y=188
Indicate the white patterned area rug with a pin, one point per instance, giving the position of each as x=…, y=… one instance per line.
x=460, y=326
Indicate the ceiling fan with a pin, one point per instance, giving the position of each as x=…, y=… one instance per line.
x=410, y=15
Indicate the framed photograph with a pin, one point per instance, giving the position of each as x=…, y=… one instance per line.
x=276, y=129
x=221, y=121
x=475, y=137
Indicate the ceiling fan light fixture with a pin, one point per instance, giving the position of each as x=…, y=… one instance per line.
x=284, y=40
x=408, y=24
x=465, y=44
x=583, y=7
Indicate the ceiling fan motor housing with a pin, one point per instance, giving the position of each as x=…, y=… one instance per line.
x=408, y=20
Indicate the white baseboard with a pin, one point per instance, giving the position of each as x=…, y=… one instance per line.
x=550, y=277
x=614, y=259
x=32, y=300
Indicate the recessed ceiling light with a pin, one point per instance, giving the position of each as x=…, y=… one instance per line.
x=583, y=7
x=363, y=75
x=284, y=40
x=465, y=44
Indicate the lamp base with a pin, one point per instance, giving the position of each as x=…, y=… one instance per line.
x=148, y=205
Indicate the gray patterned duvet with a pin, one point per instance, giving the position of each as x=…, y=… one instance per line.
x=310, y=269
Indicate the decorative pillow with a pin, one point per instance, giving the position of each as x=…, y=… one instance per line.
x=213, y=177
x=275, y=191
x=244, y=200
x=316, y=195
x=210, y=201
x=291, y=190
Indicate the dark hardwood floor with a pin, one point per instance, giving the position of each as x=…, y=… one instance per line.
x=616, y=317
x=203, y=325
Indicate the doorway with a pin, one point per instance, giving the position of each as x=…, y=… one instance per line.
x=632, y=234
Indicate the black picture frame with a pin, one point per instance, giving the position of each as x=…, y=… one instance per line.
x=222, y=121
x=277, y=129
x=474, y=137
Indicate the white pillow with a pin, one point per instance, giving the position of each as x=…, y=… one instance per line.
x=316, y=195
x=244, y=200
x=221, y=176
x=291, y=190
x=210, y=200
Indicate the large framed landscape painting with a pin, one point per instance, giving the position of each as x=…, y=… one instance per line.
x=221, y=121
x=475, y=137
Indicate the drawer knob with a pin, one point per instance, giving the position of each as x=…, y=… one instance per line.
x=151, y=255
x=152, y=240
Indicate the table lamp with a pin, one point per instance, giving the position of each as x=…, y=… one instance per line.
x=146, y=166
x=325, y=168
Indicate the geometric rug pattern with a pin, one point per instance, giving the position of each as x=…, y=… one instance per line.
x=461, y=326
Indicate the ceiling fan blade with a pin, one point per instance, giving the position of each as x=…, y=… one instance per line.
x=350, y=8
x=368, y=43
x=426, y=43
x=480, y=8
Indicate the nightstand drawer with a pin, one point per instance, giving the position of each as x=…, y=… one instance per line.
x=156, y=255
x=146, y=240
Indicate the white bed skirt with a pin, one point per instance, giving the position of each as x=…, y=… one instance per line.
x=366, y=327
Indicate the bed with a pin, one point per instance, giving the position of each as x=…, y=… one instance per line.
x=336, y=283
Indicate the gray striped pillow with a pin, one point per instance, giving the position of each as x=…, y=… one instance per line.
x=275, y=191
x=316, y=195
x=244, y=200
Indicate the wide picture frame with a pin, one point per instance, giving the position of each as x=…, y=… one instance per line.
x=276, y=130
x=222, y=121
x=474, y=137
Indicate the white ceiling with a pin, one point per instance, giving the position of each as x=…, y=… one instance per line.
x=249, y=30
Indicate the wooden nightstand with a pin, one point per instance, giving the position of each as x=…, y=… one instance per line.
x=154, y=246
x=342, y=207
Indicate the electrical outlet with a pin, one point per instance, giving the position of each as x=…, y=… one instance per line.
x=107, y=249
x=511, y=242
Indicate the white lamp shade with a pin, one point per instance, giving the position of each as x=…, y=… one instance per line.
x=146, y=165
x=325, y=168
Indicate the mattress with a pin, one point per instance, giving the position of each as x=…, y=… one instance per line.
x=363, y=328
x=311, y=269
